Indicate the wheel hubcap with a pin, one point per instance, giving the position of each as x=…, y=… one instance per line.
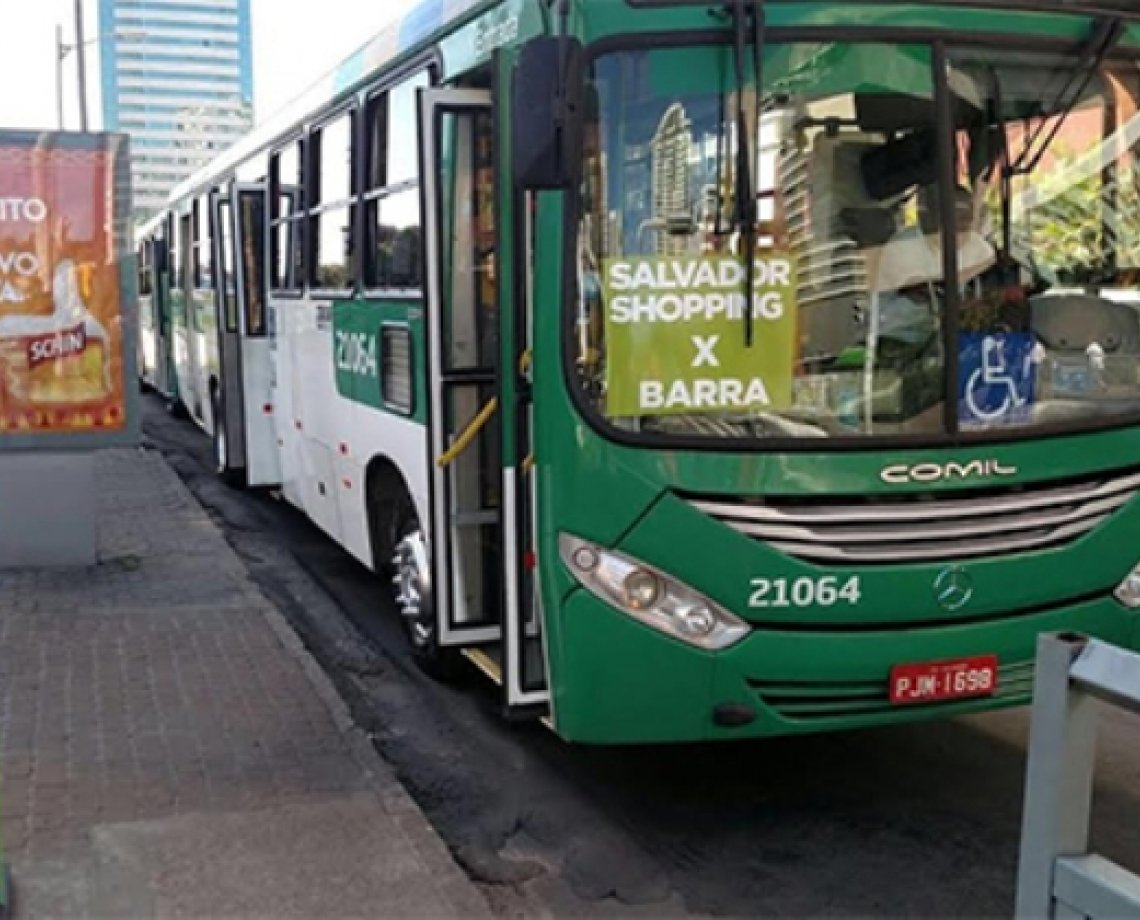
x=413, y=588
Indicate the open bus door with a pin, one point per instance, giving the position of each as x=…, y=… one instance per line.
x=160, y=292
x=262, y=461
x=226, y=402
x=481, y=517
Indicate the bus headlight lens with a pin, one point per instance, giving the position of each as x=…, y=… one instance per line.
x=1128, y=591
x=642, y=589
x=651, y=596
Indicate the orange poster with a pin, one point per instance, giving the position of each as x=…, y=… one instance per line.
x=61, y=309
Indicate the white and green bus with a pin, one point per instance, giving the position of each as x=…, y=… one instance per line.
x=699, y=370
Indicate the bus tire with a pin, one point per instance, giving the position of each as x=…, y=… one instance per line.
x=231, y=477
x=412, y=583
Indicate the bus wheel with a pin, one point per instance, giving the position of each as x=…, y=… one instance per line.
x=228, y=475
x=414, y=600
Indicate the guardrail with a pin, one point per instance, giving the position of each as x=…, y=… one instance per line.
x=1057, y=876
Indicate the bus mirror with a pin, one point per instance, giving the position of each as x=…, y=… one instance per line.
x=546, y=113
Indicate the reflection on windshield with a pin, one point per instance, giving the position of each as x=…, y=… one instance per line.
x=850, y=285
x=1053, y=334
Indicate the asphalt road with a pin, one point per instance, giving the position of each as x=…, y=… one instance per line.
x=919, y=820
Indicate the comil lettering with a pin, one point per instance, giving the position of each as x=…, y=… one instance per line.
x=32, y=210
x=901, y=474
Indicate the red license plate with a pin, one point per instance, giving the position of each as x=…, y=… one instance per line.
x=934, y=681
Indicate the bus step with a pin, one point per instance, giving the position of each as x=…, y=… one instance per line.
x=487, y=660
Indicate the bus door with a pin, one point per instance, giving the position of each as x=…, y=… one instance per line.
x=475, y=513
x=229, y=420
x=160, y=300
x=462, y=322
x=262, y=459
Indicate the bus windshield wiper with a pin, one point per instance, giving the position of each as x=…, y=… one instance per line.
x=745, y=215
x=1106, y=33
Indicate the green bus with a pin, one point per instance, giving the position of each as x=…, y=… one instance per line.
x=699, y=370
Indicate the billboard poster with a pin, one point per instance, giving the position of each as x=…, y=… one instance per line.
x=675, y=335
x=65, y=300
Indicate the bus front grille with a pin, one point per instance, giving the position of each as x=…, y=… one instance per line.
x=929, y=528
x=807, y=700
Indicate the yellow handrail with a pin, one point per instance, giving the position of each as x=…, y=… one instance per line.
x=470, y=433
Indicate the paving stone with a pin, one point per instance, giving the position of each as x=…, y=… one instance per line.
x=159, y=690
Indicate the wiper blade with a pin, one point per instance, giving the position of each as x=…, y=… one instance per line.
x=1106, y=34
x=746, y=162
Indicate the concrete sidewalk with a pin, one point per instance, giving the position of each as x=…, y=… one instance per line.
x=167, y=748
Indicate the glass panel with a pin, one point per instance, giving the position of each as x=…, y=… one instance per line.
x=289, y=170
x=252, y=258
x=402, y=163
x=1050, y=329
x=144, y=269
x=397, y=254
x=471, y=301
x=473, y=487
x=227, y=287
x=287, y=253
x=333, y=270
x=335, y=159
x=205, y=246
x=844, y=338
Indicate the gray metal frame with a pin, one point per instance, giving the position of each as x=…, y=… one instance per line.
x=1057, y=876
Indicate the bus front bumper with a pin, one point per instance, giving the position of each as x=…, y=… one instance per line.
x=632, y=684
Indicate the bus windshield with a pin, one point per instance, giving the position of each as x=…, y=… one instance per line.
x=852, y=336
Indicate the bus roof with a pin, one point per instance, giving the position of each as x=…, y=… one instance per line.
x=402, y=37
x=1129, y=9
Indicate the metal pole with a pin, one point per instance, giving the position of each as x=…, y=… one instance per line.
x=81, y=56
x=1059, y=776
x=59, y=75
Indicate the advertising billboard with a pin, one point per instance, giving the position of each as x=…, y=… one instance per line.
x=67, y=297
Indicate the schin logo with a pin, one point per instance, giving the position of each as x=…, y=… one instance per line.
x=901, y=474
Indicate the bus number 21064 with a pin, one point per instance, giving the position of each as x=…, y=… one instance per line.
x=827, y=591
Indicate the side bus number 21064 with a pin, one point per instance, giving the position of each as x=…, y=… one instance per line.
x=827, y=591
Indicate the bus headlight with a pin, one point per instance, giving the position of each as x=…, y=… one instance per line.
x=651, y=596
x=1128, y=591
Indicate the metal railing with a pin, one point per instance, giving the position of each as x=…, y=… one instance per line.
x=1057, y=875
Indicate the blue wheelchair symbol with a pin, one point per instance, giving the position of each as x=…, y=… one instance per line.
x=997, y=377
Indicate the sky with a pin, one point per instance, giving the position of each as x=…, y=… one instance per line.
x=295, y=42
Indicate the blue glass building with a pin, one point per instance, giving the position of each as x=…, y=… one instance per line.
x=177, y=76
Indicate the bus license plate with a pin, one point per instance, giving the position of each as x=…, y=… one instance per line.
x=934, y=681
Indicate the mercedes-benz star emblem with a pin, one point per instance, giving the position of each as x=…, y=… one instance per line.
x=954, y=588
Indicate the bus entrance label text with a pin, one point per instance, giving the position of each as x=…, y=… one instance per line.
x=676, y=340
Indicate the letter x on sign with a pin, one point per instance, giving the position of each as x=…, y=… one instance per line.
x=706, y=356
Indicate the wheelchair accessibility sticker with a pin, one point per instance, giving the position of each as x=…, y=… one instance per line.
x=997, y=378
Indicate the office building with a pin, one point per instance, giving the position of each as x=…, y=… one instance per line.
x=177, y=76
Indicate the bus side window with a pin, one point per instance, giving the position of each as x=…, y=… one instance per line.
x=286, y=217
x=394, y=255
x=204, y=259
x=332, y=209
